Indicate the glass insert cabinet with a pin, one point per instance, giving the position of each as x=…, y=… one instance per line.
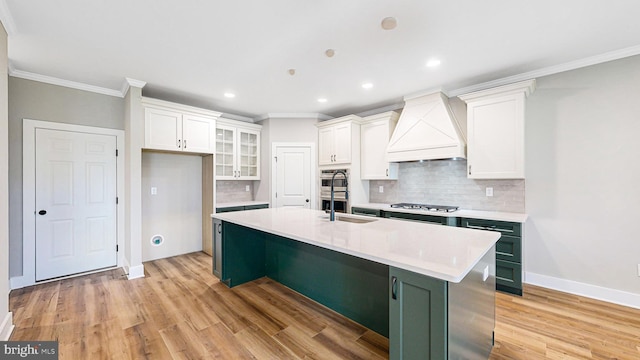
x=237, y=151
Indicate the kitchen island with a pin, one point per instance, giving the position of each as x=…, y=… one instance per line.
x=429, y=288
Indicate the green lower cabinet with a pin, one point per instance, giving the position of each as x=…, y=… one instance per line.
x=508, y=252
x=366, y=212
x=509, y=277
x=417, y=316
x=432, y=219
x=229, y=209
x=243, y=254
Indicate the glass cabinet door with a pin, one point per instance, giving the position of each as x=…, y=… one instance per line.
x=248, y=152
x=225, y=145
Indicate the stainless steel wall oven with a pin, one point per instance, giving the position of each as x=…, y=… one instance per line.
x=340, y=184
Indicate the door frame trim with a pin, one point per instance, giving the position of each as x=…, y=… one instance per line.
x=314, y=165
x=29, y=127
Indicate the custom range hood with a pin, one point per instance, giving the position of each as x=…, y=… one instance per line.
x=427, y=130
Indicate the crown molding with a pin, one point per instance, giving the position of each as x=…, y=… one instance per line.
x=66, y=83
x=526, y=87
x=376, y=111
x=129, y=82
x=572, y=65
x=316, y=116
x=237, y=117
x=7, y=19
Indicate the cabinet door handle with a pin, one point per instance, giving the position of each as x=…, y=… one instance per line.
x=489, y=228
x=469, y=169
x=185, y=144
x=387, y=172
x=394, y=288
x=178, y=144
x=219, y=228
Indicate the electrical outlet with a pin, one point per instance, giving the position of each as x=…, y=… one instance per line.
x=247, y=188
x=489, y=191
x=380, y=189
x=154, y=190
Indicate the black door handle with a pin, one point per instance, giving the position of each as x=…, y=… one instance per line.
x=307, y=200
x=42, y=212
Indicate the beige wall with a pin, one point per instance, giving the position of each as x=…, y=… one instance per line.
x=301, y=130
x=39, y=101
x=176, y=210
x=583, y=177
x=5, y=316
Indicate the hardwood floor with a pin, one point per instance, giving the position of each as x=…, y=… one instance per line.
x=181, y=311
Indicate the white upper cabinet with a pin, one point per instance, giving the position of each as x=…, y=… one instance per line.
x=495, y=124
x=335, y=140
x=375, y=133
x=237, y=150
x=174, y=127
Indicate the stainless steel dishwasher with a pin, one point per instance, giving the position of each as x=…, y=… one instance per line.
x=217, y=248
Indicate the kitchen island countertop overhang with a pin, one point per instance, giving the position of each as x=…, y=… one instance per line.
x=441, y=252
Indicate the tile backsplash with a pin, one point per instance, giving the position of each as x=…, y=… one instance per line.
x=233, y=191
x=445, y=182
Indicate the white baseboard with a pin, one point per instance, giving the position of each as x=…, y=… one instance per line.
x=591, y=291
x=136, y=272
x=18, y=282
x=6, y=327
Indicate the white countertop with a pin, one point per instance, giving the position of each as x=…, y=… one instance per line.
x=240, y=203
x=461, y=213
x=443, y=252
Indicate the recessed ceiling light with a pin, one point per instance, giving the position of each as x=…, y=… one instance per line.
x=322, y=100
x=292, y=72
x=367, y=85
x=433, y=63
x=329, y=52
x=389, y=23
x=229, y=95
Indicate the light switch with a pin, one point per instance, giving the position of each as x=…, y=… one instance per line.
x=247, y=188
x=489, y=191
x=380, y=189
x=154, y=190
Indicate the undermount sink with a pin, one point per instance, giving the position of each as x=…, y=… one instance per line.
x=351, y=219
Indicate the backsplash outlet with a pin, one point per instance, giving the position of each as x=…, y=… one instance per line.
x=445, y=182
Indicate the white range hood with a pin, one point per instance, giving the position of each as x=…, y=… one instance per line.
x=427, y=130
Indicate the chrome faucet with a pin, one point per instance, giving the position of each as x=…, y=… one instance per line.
x=332, y=214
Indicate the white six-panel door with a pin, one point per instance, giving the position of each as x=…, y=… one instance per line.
x=293, y=176
x=75, y=202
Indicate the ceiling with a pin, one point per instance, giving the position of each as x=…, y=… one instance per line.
x=195, y=51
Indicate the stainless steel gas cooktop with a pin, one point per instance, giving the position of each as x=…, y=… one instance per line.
x=426, y=207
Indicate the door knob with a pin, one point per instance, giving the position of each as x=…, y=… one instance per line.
x=307, y=200
x=42, y=212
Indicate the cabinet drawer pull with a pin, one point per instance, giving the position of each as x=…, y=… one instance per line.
x=492, y=228
x=394, y=288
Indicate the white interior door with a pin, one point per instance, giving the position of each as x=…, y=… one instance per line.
x=75, y=202
x=293, y=176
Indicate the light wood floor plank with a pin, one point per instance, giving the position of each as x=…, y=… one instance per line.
x=179, y=310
